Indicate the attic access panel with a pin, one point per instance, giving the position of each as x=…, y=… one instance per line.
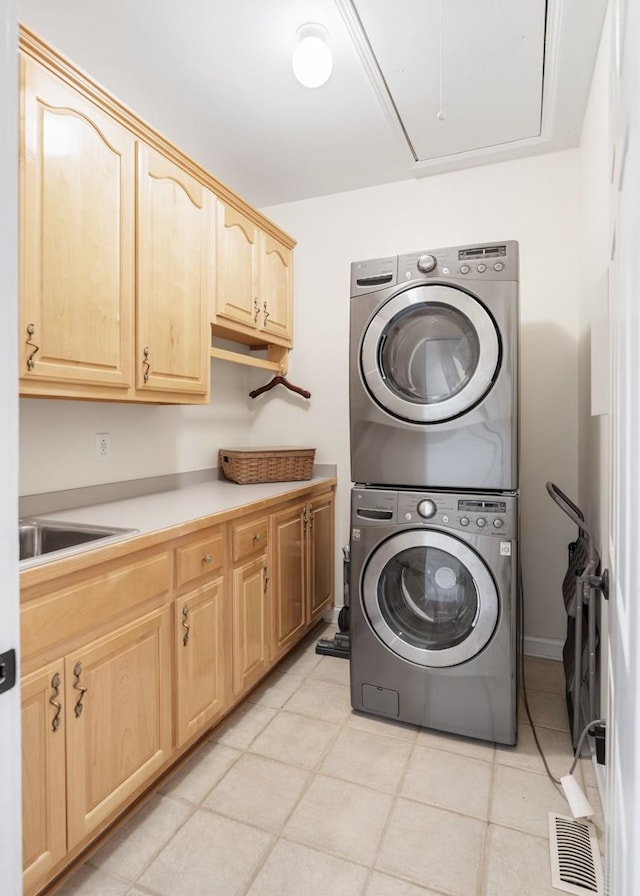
x=478, y=62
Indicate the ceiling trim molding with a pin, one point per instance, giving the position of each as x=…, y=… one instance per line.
x=364, y=49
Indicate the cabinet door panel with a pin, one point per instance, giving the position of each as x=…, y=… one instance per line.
x=122, y=733
x=237, y=260
x=44, y=832
x=321, y=557
x=77, y=265
x=174, y=235
x=287, y=578
x=276, y=289
x=250, y=649
x=200, y=659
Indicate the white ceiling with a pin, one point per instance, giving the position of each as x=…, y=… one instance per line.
x=508, y=77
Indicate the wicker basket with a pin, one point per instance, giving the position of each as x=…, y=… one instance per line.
x=244, y=465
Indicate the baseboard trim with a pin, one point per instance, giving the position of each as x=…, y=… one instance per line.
x=544, y=648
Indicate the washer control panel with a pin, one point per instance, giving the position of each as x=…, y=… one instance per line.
x=488, y=515
x=486, y=261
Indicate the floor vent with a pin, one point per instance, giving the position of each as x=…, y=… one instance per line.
x=575, y=858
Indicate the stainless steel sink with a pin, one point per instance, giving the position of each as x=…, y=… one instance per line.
x=42, y=540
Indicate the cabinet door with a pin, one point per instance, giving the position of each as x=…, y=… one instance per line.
x=237, y=268
x=77, y=237
x=250, y=645
x=276, y=289
x=174, y=238
x=118, y=706
x=200, y=651
x=287, y=544
x=321, y=555
x=44, y=830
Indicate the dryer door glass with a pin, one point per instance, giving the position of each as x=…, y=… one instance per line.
x=430, y=598
x=430, y=353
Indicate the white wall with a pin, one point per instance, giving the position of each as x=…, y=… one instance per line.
x=535, y=201
x=57, y=438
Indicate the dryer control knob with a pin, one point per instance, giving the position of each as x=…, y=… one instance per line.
x=464, y=520
x=480, y=522
x=427, y=263
x=427, y=508
x=498, y=523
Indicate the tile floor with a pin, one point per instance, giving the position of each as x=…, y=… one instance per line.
x=296, y=795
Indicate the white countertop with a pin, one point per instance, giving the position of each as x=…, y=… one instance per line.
x=167, y=509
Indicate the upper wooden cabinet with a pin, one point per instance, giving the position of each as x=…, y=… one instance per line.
x=254, y=286
x=118, y=251
x=174, y=277
x=77, y=235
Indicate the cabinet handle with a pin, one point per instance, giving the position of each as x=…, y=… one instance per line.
x=207, y=558
x=35, y=348
x=311, y=518
x=185, y=625
x=266, y=577
x=256, y=309
x=77, y=671
x=146, y=364
x=265, y=312
x=53, y=700
x=305, y=520
x=257, y=537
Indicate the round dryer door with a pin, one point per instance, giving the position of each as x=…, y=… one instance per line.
x=430, y=353
x=430, y=598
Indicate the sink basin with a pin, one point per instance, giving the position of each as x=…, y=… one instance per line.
x=42, y=540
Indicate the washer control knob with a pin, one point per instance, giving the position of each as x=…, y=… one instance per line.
x=464, y=268
x=481, y=522
x=427, y=263
x=427, y=508
x=482, y=268
x=498, y=524
x=498, y=266
x=464, y=520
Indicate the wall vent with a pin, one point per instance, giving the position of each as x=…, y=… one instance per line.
x=576, y=867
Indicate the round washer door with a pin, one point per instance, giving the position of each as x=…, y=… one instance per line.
x=430, y=598
x=430, y=353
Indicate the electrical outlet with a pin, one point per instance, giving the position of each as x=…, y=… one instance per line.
x=102, y=446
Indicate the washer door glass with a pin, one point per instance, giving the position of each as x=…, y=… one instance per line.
x=430, y=353
x=430, y=598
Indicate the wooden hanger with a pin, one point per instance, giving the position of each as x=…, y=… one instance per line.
x=280, y=381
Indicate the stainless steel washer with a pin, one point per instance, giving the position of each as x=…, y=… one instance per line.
x=434, y=369
x=433, y=609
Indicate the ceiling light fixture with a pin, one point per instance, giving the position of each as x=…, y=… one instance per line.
x=312, y=60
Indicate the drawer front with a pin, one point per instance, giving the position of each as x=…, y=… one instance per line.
x=200, y=558
x=89, y=604
x=249, y=538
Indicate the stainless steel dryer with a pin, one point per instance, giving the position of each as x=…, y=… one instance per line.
x=434, y=369
x=433, y=609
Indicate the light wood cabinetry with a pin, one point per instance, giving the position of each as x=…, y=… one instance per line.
x=200, y=625
x=174, y=277
x=249, y=596
x=118, y=706
x=254, y=284
x=129, y=660
x=118, y=235
x=77, y=239
x=302, y=568
x=44, y=834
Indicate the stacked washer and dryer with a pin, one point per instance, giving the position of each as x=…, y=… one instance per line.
x=434, y=508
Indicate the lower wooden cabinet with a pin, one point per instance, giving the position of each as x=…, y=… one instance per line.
x=301, y=542
x=102, y=722
x=44, y=792
x=96, y=726
x=200, y=660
